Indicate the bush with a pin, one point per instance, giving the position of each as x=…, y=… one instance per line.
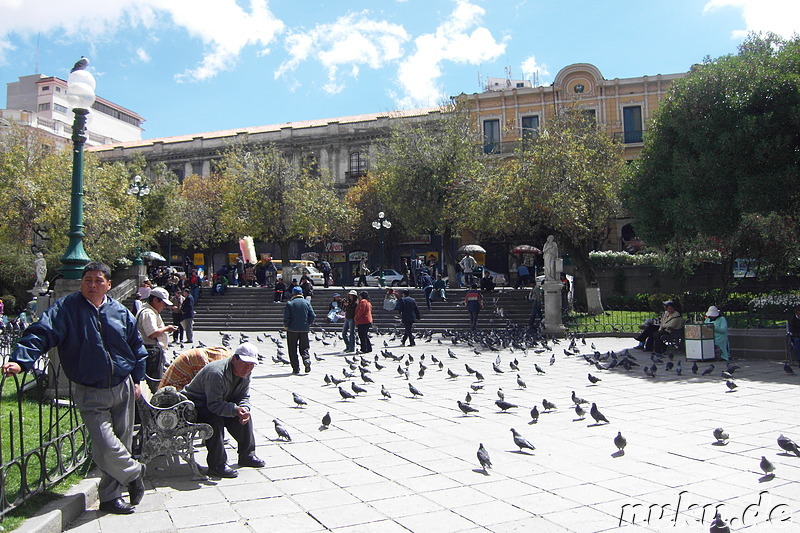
x=619, y=302
x=774, y=304
x=610, y=259
x=9, y=303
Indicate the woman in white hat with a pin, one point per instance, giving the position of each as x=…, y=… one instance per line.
x=722, y=347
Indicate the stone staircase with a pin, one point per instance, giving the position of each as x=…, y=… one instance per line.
x=252, y=309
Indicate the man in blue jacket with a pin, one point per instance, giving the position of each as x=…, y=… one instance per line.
x=297, y=319
x=102, y=353
x=409, y=313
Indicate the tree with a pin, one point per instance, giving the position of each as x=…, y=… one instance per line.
x=269, y=198
x=564, y=181
x=202, y=220
x=723, y=147
x=425, y=175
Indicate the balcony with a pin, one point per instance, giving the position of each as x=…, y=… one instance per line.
x=508, y=147
x=629, y=137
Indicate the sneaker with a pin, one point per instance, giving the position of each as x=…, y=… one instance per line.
x=308, y=368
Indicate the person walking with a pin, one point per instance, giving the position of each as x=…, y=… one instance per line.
x=349, y=327
x=409, y=313
x=102, y=354
x=187, y=315
x=363, y=320
x=468, y=265
x=473, y=300
x=298, y=316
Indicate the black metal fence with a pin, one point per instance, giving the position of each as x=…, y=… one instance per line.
x=42, y=436
x=741, y=310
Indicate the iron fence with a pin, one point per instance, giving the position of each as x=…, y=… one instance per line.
x=741, y=310
x=42, y=436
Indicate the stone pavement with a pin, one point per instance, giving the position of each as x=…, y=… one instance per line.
x=409, y=464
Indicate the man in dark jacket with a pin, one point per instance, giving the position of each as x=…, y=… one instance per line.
x=297, y=319
x=187, y=312
x=409, y=313
x=102, y=353
x=221, y=393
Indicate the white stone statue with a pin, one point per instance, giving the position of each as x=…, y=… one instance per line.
x=550, y=255
x=40, y=267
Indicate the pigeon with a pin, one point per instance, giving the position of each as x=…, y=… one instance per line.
x=469, y=368
x=385, y=393
x=504, y=405
x=521, y=384
x=468, y=398
x=580, y=411
x=483, y=458
x=708, y=370
x=476, y=387
x=501, y=394
x=281, y=431
x=718, y=525
x=346, y=395
x=336, y=381
x=788, y=369
x=466, y=408
x=594, y=380
x=552, y=359
x=81, y=64
x=326, y=420
x=514, y=366
x=327, y=379
x=534, y=415
x=576, y=399
x=299, y=400
x=520, y=441
x=597, y=415
x=620, y=442
x=538, y=369
x=767, y=466
x=788, y=444
x=451, y=374
x=731, y=385
x=726, y=375
x=548, y=406
x=721, y=435
x=414, y=391
x=497, y=368
x=694, y=368
x=358, y=389
x=678, y=368
x=478, y=376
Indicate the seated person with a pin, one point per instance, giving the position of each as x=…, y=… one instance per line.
x=721, y=346
x=523, y=276
x=439, y=287
x=280, y=290
x=654, y=335
x=793, y=327
x=188, y=364
x=487, y=282
x=335, y=311
x=221, y=393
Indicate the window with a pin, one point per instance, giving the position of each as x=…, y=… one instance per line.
x=358, y=165
x=45, y=88
x=44, y=107
x=491, y=136
x=632, y=123
x=530, y=127
x=58, y=89
x=60, y=108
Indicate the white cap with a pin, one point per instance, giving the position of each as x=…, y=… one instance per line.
x=162, y=294
x=247, y=352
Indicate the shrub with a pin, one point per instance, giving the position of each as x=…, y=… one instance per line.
x=9, y=303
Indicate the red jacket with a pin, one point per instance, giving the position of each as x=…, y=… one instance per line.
x=363, y=312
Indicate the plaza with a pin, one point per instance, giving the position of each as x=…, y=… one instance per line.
x=409, y=464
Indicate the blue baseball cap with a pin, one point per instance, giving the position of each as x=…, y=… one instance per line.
x=297, y=290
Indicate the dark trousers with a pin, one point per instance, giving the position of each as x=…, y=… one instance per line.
x=363, y=337
x=646, y=336
x=407, y=334
x=295, y=340
x=473, y=319
x=242, y=433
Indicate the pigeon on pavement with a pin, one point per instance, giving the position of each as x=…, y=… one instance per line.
x=483, y=458
x=521, y=384
x=576, y=399
x=346, y=394
x=721, y=435
x=593, y=380
x=788, y=444
x=326, y=420
x=580, y=411
x=548, y=406
x=299, y=400
x=385, y=393
x=718, y=525
x=620, y=442
x=466, y=408
x=520, y=441
x=281, y=431
x=534, y=415
x=358, y=389
x=597, y=415
x=767, y=466
x=414, y=391
x=504, y=405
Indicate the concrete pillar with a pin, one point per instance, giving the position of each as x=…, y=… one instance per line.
x=553, y=324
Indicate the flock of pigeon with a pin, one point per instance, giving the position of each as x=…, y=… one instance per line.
x=361, y=372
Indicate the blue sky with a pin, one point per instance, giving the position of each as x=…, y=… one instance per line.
x=190, y=66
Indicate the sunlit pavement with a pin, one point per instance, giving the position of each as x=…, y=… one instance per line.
x=409, y=464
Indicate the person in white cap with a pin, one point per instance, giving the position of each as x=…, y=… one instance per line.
x=221, y=394
x=155, y=334
x=720, y=323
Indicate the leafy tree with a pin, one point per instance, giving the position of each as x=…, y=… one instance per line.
x=269, y=198
x=722, y=148
x=565, y=181
x=202, y=213
x=426, y=173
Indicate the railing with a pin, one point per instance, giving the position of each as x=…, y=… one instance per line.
x=629, y=137
x=743, y=310
x=42, y=436
x=508, y=147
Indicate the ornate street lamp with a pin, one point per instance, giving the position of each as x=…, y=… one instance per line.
x=380, y=225
x=80, y=97
x=138, y=188
x=169, y=232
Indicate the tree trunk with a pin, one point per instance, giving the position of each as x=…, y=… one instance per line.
x=585, y=277
x=447, y=255
x=286, y=267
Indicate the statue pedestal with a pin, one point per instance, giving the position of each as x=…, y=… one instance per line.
x=552, y=308
x=593, y=302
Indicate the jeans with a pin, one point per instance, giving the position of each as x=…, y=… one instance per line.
x=349, y=334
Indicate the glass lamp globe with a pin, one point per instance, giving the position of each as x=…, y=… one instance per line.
x=80, y=90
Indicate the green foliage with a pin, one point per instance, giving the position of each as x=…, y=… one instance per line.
x=722, y=150
x=609, y=258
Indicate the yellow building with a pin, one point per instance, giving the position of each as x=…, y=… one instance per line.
x=509, y=110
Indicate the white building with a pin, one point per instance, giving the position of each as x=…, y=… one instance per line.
x=40, y=102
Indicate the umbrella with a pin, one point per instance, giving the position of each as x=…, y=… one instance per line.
x=525, y=249
x=472, y=248
x=153, y=256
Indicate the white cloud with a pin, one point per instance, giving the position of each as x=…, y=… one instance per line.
x=352, y=41
x=142, y=54
x=531, y=68
x=779, y=16
x=223, y=26
x=459, y=40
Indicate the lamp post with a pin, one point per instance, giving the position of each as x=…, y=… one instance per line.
x=138, y=188
x=80, y=97
x=380, y=225
x=169, y=232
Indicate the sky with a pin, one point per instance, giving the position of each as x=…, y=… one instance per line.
x=193, y=66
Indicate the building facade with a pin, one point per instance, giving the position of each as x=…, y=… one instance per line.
x=40, y=102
